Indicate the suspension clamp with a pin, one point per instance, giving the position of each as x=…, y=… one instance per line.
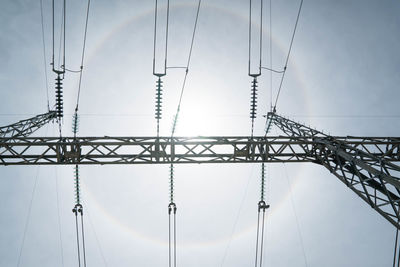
x=78, y=208
x=171, y=207
x=262, y=205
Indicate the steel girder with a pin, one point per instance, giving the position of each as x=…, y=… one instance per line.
x=26, y=127
x=367, y=165
x=374, y=177
x=153, y=150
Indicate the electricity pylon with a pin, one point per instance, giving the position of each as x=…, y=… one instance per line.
x=369, y=166
x=26, y=127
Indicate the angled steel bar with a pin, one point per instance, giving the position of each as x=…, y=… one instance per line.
x=164, y=150
x=26, y=127
x=367, y=165
x=151, y=150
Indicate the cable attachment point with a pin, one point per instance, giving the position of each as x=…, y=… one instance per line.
x=78, y=208
x=253, y=99
x=262, y=206
x=59, y=97
x=158, y=98
x=172, y=207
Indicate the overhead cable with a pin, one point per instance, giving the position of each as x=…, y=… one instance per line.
x=288, y=55
x=187, y=68
x=59, y=71
x=28, y=217
x=295, y=216
x=44, y=55
x=83, y=55
x=59, y=219
x=254, y=75
x=262, y=207
x=172, y=208
x=159, y=82
x=78, y=208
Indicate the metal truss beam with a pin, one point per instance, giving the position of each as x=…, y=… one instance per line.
x=367, y=165
x=373, y=176
x=164, y=150
x=26, y=127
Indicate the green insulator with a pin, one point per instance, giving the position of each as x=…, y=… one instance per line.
x=158, y=112
x=77, y=185
x=262, y=181
x=253, y=99
x=75, y=123
x=171, y=182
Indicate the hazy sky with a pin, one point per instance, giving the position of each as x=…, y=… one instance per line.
x=342, y=78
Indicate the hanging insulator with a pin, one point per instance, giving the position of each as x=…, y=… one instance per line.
x=171, y=183
x=75, y=123
x=77, y=185
x=159, y=86
x=262, y=181
x=253, y=99
x=59, y=97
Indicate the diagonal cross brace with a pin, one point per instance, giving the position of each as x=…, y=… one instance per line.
x=373, y=176
x=26, y=127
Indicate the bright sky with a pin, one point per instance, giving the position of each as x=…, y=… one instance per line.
x=342, y=78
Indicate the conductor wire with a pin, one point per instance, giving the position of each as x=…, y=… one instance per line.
x=187, y=69
x=155, y=39
x=44, y=55
x=253, y=98
x=262, y=207
x=159, y=82
x=288, y=55
x=62, y=36
x=83, y=55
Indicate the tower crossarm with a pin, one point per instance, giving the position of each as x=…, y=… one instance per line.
x=160, y=150
x=367, y=165
x=26, y=127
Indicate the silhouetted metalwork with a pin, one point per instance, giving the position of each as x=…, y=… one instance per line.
x=176, y=150
x=26, y=127
x=373, y=173
x=367, y=165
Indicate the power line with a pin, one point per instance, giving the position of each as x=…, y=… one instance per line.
x=59, y=218
x=295, y=215
x=96, y=237
x=187, y=68
x=288, y=55
x=29, y=215
x=29, y=210
x=44, y=55
x=62, y=38
x=155, y=40
x=270, y=50
x=237, y=216
x=83, y=55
